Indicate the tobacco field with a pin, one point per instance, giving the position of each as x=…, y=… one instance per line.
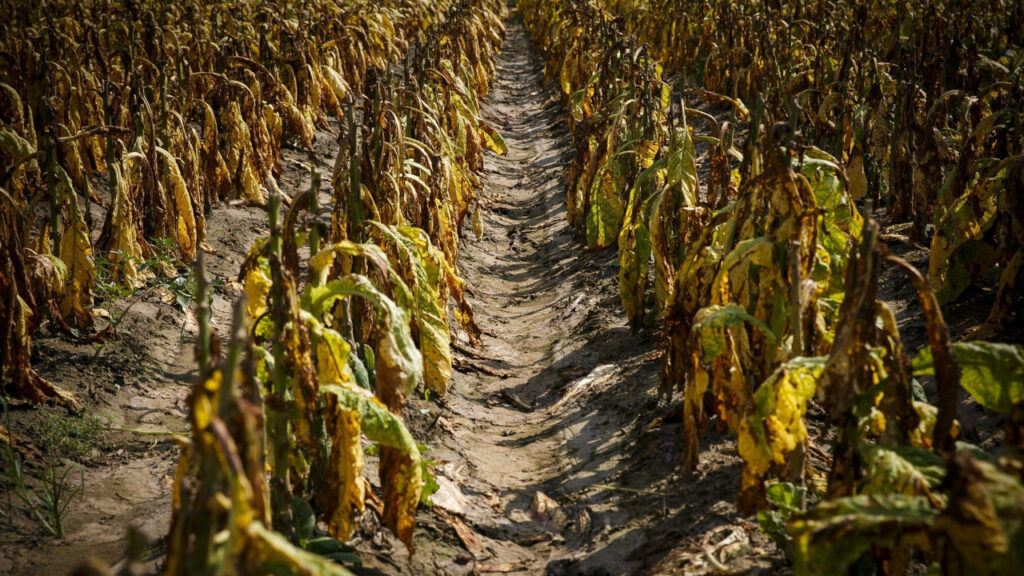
x=526, y=287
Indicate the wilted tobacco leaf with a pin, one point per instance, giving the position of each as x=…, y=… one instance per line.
x=681, y=165
x=906, y=470
x=239, y=157
x=835, y=534
x=604, y=221
x=344, y=483
x=965, y=221
x=76, y=253
x=711, y=323
x=772, y=431
x=395, y=349
x=646, y=150
x=23, y=381
x=121, y=231
x=984, y=519
x=422, y=269
x=492, y=140
x=184, y=218
x=858, y=180
x=719, y=346
x=635, y=247
x=257, y=286
x=13, y=149
x=47, y=276
x=402, y=487
x=332, y=353
x=320, y=263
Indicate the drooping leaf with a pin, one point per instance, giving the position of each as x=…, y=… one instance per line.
x=395, y=349
x=422, y=267
x=279, y=556
x=123, y=241
x=834, y=535
x=711, y=322
x=984, y=519
x=492, y=140
x=772, y=431
x=380, y=425
x=184, y=218
x=906, y=470
x=604, y=221
x=76, y=253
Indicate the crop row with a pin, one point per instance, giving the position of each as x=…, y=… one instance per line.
x=325, y=351
x=764, y=280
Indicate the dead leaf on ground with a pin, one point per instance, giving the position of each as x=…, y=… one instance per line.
x=469, y=538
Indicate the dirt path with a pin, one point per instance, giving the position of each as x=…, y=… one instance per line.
x=549, y=462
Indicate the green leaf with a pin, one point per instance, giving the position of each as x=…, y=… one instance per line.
x=395, y=349
x=992, y=373
x=712, y=321
x=784, y=498
x=279, y=556
x=359, y=371
x=375, y=421
x=681, y=165
x=305, y=520
x=430, y=485
x=422, y=265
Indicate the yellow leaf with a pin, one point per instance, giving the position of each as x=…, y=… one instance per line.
x=345, y=474
x=123, y=242
x=400, y=468
x=769, y=433
x=257, y=287
x=858, y=179
x=492, y=140
x=76, y=253
x=184, y=217
x=646, y=150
